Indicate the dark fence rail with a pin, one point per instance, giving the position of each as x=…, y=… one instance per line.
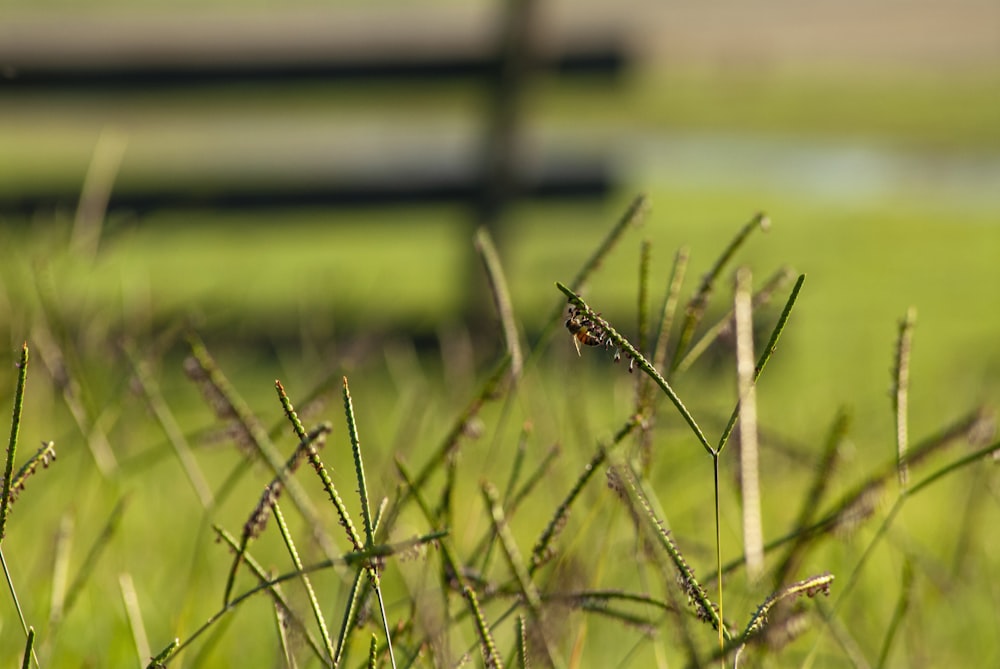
x=135, y=56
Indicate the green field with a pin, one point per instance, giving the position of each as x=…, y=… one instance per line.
x=309, y=296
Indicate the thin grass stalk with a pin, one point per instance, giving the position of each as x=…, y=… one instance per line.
x=513, y=502
x=276, y=594
x=13, y=595
x=491, y=658
x=171, y=429
x=485, y=547
x=822, y=477
x=29, y=649
x=515, y=562
x=643, y=298
x=97, y=549
x=293, y=552
x=699, y=302
x=359, y=467
x=60, y=569
x=317, y=464
x=350, y=610
x=537, y=476
x=898, y=614
x=704, y=608
x=501, y=298
x=775, y=283
x=373, y=652
x=522, y=644
x=15, y=426
x=133, y=613
x=352, y=559
x=753, y=534
x=897, y=506
x=235, y=407
x=901, y=387
x=772, y=344
x=861, y=495
x=717, y=508
x=624, y=346
x=283, y=642
x=542, y=550
x=809, y=587
x=669, y=309
x=257, y=522
x=487, y=391
x=53, y=357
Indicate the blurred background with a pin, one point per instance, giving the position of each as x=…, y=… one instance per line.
x=302, y=183
x=315, y=169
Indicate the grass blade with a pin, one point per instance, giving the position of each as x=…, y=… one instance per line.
x=697, y=305
x=501, y=298
x=753, y=534
x=133, y=613
x=772, y=344
x=901, y=389
x=15, y=426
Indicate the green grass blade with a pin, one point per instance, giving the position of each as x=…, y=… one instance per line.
x=15, y=425
x=772, y=344
x=293, y=552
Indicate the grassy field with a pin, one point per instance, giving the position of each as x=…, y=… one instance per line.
x=111, y=549
x=836, y=352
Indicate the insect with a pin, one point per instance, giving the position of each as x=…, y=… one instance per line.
x=584, y=330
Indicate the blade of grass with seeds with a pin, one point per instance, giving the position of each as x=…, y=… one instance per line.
x=901, y=388
x=625, y=347
x=276, y=594
x=171, y=429
x=317, y=464
x=293, y=553
x=699, y=302
x=216, y=387
x=15, y=426
x=359, y=467
x=542, y=552
x=899, y=613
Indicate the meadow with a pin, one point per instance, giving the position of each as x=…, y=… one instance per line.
x=574, y=500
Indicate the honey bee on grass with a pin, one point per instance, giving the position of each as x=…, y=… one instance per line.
x=591, y=332
x=584, y=330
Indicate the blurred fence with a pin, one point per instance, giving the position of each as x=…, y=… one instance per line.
x=186, y=55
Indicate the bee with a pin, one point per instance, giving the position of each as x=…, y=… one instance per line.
x=584, y=330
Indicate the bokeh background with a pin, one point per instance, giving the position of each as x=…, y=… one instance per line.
x=301, y=183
